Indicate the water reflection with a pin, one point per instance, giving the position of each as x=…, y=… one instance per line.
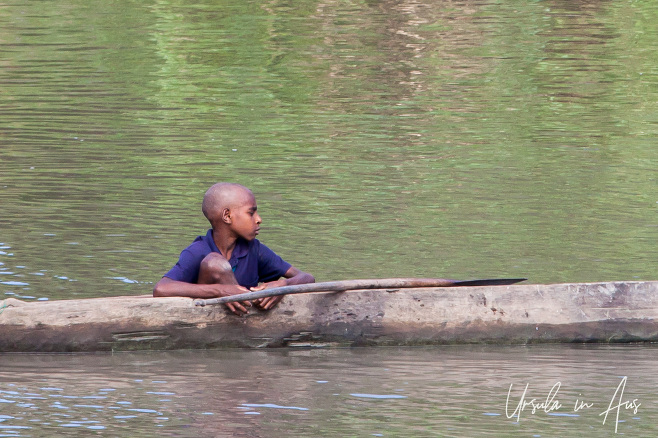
x=407, y=138
x=454, y=391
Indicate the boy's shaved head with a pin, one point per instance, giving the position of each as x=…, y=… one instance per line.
x=223, y=195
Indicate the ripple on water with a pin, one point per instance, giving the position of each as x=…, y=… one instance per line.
x=48, y=410
x=272, y=406
x=378, y=396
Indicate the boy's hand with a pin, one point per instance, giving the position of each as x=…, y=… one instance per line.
x=268, y=303
x=237, y=307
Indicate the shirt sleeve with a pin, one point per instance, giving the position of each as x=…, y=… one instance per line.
x=187, y=267
x=270, y=266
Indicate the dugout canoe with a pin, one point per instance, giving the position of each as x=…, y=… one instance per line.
x=525, y=313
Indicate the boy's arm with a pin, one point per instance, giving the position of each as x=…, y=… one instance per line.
x=167, y=287
x=292, y=276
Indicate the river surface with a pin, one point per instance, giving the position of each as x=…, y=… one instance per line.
x=449, y=391
x=467, y=139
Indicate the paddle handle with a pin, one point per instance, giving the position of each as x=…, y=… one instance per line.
x=344, y=285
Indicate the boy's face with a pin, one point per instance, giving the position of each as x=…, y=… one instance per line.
x=245, y=219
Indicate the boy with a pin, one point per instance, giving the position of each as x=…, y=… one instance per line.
x=229, y=259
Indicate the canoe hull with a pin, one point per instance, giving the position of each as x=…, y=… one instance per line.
x=583, y=312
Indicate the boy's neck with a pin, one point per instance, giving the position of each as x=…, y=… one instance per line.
x=225, y=242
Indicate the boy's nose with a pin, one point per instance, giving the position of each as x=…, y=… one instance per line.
x=258, y=219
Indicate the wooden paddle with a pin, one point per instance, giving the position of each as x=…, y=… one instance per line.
x=341, y=286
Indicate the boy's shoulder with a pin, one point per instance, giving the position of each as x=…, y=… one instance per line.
x=204, y=240
x=201, y=246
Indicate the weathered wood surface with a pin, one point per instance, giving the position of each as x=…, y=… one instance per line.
x=592, y=312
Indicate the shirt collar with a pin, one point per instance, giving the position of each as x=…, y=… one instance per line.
x=241, y=246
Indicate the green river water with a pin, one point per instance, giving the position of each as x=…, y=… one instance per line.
x=458, y=139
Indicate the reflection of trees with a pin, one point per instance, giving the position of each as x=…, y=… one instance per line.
x=439, y=123
x=386, y=60
x=430, y=107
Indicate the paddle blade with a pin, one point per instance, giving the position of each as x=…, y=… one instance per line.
x=490, y=282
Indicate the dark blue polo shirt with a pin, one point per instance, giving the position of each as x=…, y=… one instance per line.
x=252, y=261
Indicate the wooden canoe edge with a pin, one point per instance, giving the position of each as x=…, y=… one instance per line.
x=519, y=314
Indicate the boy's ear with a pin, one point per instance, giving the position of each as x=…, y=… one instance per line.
x=226, y=216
